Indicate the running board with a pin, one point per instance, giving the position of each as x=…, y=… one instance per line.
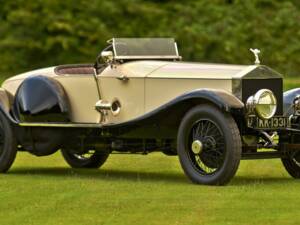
x=262, y=155
x=71, y=125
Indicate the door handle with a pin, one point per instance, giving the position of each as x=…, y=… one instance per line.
x=123, y=78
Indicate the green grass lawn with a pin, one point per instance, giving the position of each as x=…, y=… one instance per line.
x=137, y=189
x=290, y=83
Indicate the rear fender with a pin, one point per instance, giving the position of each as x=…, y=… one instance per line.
x=5, y=105
x=41, y=99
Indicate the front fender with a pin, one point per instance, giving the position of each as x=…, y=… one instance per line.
x=170, y=114
x=222, y=99
x=288, y=98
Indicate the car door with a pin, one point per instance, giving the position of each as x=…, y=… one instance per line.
x=118, y=85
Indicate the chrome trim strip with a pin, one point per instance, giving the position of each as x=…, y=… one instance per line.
x=176, y=49
x=236, y=86
x=114, y=48
x=244, y=72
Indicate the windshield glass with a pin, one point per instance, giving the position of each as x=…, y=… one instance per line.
x=145, y=48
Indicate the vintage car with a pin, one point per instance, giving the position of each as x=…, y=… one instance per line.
x=139, y=98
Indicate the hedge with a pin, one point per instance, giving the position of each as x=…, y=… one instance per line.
x=41, y=33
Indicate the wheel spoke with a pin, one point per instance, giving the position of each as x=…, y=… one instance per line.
x=211, y=158
x=85, y=156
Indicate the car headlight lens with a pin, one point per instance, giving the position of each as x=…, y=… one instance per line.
x=263, y=103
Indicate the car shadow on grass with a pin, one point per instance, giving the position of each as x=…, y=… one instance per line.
x=243, y=181
x=102, y=174
x=117, y=175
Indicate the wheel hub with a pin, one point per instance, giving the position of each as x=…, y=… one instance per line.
x=197, y=147
x=207, y=146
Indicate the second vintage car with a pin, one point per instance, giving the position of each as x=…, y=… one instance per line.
x=139, y=97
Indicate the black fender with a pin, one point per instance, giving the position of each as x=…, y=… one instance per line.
x=224, y=100
x=166, y=118
x=288, y=98
x=40, y=99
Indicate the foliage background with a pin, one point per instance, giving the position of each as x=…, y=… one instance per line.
x=41, y=33
x=151, y=190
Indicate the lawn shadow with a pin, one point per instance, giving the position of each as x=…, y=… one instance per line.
x=243, y=181
x=117, y=175
x=105, y=174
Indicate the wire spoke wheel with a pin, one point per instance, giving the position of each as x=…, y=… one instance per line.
x=209, y=145
x=292, y=164
x=211, y=156
x=295, y=157
x=87, y=159
x=85, y=156
x=8, y=146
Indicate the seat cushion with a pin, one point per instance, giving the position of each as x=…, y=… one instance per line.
x=74, y=69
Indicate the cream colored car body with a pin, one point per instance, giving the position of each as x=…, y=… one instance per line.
x=210, y=115
x=150, y=85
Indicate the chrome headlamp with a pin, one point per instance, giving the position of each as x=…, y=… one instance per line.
x=263, y=104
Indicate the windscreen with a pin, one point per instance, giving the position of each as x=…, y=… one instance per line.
x=126, y=48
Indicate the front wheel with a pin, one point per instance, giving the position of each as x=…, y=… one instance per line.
x=90, y=159
x=209, y=145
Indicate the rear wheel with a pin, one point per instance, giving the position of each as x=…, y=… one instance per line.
x=209, y=145
x=8, y=146
x=292, y=164
x=90, y=159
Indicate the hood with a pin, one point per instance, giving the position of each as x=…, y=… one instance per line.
x=163, y=69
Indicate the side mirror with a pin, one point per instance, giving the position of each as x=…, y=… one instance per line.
x=107, y=56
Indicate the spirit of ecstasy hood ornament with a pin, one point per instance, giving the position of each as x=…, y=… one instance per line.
x=256, y=52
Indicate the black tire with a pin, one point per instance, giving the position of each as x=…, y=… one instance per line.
x=218, y=162
x=8, y=146
x=292, y=164
x=94, y=160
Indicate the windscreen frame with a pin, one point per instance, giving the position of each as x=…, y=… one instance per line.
x=169, y=41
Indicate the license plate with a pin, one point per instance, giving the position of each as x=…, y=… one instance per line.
x=273, y=123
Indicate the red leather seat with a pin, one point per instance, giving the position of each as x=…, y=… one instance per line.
x=74, y=69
